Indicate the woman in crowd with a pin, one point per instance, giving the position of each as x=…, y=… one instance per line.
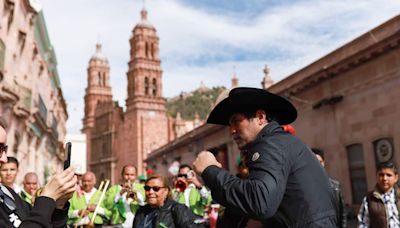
x=161, y=210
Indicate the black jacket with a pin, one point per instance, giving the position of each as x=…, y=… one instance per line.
x=286, y=187
x=171, y=215
x=341, y=215
x=42, y=214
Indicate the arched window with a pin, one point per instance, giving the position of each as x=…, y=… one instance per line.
x=146, y=85
x=99, y=79
x=152, y=51
x=104, y=79
x=154, y=87
x=147, y=50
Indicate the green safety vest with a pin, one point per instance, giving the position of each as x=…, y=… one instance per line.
x=77, y=203
x=26, y=197
x=196, y=202
x=118, y=213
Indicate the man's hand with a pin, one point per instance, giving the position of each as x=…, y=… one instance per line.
x=192, y=178
x=91, y=207
x=61, y=187
x=203, y=160
x=83, y=212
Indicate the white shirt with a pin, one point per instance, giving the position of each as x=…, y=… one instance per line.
x=388, y=199
x=88, y=196
x=203, y=193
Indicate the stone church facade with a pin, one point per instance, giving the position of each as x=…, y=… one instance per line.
x=116, y=137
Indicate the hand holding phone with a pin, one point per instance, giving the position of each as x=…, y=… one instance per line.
x=67, y=161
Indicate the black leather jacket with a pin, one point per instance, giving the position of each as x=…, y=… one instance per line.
x=171, y=215
x=339, y=203
x=286, y=187
x=42, y=214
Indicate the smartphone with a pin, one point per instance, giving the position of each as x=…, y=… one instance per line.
x=67, y=161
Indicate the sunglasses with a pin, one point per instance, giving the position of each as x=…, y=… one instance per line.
x=155, y=188
x=182, y=175
x=3, y=148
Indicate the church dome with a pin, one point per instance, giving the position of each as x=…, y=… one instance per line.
x=144, y=22
x=98, y=55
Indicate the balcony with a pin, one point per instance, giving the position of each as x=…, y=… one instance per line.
x=9, y=92
x=23, y=107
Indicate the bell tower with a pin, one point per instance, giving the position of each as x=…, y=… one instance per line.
x=146, y=119
x=98, y=90
x=267, y=80
x=145, y=74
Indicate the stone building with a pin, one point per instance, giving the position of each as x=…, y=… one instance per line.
x=32, y=105
x=348, y=106
x=116, y=137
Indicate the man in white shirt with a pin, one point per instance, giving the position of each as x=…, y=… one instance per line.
x=192, y=193
x=83, y=206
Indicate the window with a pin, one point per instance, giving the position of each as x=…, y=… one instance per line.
x=35, y=53
x=104, y=79
x=9, y=11
x=2, y=54
x=99, y=81
x=17, y=140
x=154, y=87
x=152, y=51
x=42, y=109
x=147, y=49
x=21, y=40
x=146, y=85
x=357, y=172
x=54, y=127
x=41, y=69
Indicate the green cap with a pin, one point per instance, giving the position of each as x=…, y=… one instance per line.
x=142, y=178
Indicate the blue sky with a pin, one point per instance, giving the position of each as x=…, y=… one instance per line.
x=201, y=41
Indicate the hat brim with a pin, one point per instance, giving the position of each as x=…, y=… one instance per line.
x=243, y=100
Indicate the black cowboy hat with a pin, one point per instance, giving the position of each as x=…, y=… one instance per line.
x=244, y=99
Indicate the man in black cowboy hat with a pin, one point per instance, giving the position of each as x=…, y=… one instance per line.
x=286, y=186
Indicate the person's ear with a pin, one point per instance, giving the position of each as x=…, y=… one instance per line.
x=261, y=116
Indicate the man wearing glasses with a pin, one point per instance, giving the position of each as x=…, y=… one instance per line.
x=190, y=192
x=50, y=208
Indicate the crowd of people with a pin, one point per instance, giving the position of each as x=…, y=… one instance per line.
x=281, y=182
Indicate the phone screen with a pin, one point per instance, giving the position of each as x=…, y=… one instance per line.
x=67, y=161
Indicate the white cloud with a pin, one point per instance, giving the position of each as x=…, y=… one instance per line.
x=198, y=44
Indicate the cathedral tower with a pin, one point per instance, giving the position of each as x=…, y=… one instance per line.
x=98, y=90
x=146, y=122
x=267, y=80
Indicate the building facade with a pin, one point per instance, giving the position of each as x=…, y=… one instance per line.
x=347, y=105
x=32, y=106
x=116, y=137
